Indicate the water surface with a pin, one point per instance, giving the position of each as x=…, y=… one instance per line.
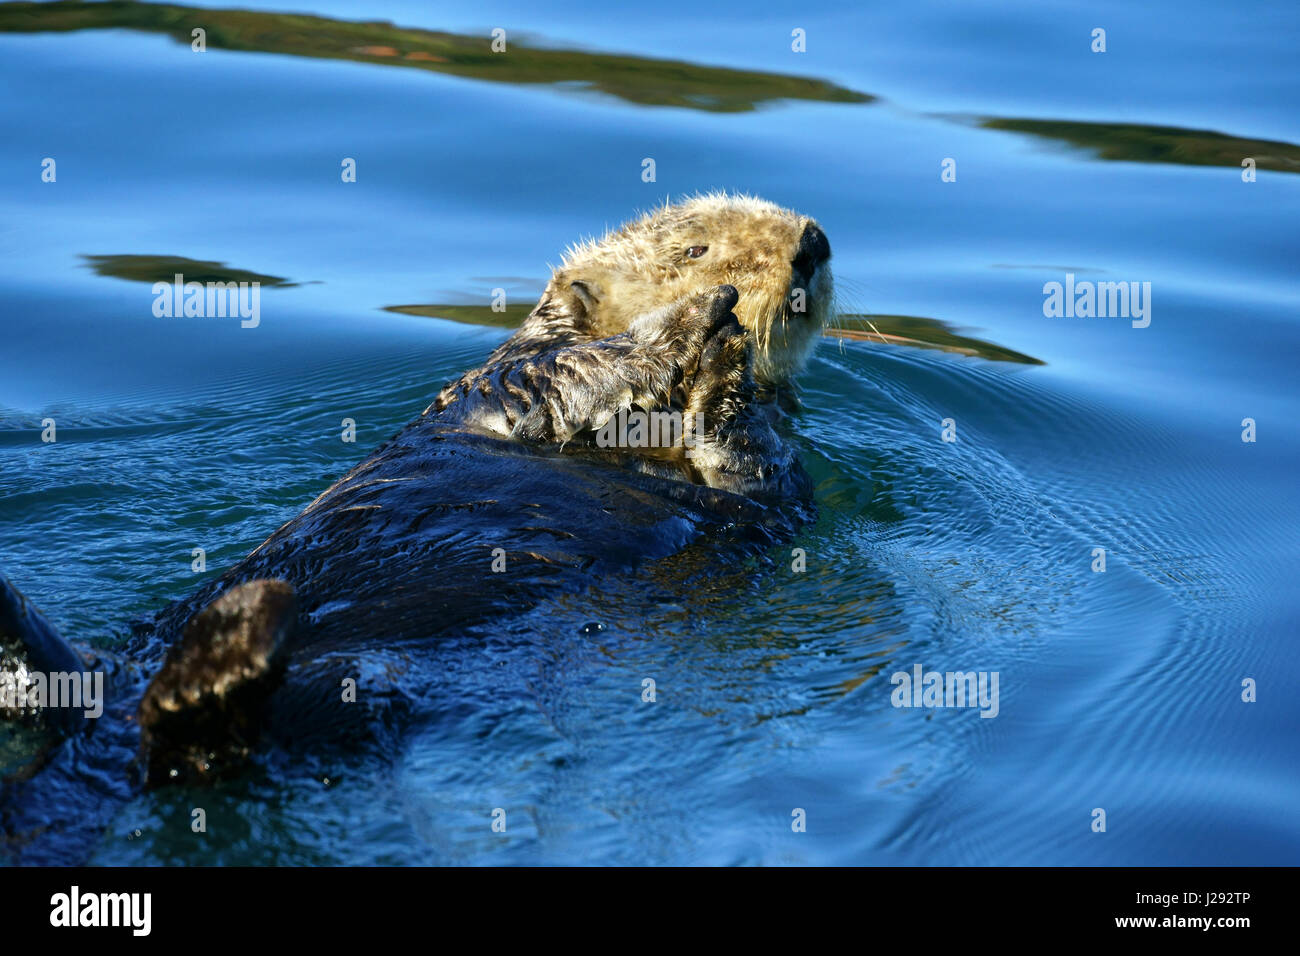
x=1119, y=690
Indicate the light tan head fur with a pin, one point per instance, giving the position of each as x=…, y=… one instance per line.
x=749, y=243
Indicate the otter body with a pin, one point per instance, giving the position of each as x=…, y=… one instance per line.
x=501, y=491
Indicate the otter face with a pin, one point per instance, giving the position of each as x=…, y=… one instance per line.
x=778, y=261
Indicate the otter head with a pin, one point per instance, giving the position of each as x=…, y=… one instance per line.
x=778, y=261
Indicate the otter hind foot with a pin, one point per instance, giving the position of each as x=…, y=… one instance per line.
x=202, y=712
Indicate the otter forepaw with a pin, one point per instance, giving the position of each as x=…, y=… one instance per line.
x=679, y=332
x=707, y=320
x=722, y=384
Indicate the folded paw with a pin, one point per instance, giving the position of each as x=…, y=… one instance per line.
x=682, y=331
x=722, y=382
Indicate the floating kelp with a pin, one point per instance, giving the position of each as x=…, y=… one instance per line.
x=1135, y=143
x=511, y=318
x=923, y=333
x=148, y=268
x=642, y=80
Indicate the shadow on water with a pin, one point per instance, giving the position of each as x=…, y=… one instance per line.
x=642, y=80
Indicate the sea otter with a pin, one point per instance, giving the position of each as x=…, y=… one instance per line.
x=501, y=491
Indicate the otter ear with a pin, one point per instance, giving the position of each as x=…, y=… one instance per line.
x=579, y=298
x=587, y=293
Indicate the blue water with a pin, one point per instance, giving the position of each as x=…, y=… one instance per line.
x=1119, y=690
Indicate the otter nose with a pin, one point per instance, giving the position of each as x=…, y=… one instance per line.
x=814, y=249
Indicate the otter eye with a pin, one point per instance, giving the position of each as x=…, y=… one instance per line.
x=696, y=251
